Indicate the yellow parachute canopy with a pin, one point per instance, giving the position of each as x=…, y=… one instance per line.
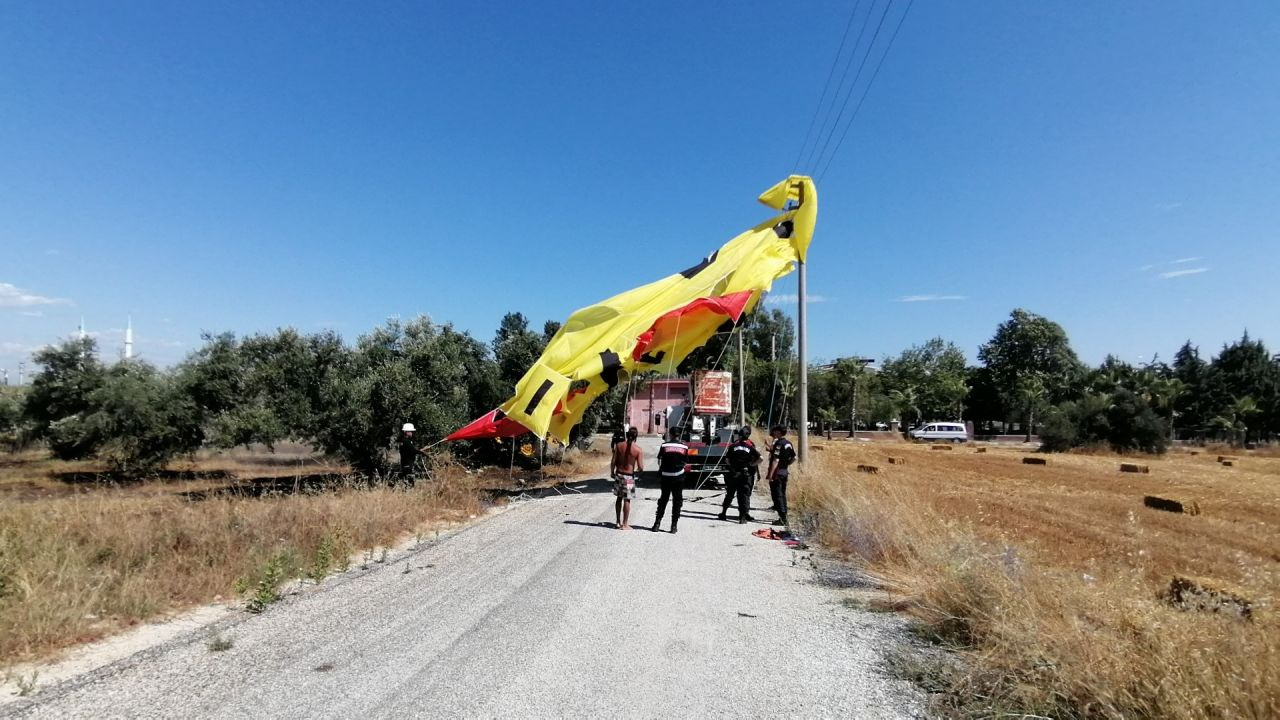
x=654, y=327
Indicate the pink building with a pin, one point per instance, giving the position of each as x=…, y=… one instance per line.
x=646, y=411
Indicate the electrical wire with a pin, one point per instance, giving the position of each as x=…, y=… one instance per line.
x=826, y=86
x=814, y=155
x=852, y=86
x=866, y=90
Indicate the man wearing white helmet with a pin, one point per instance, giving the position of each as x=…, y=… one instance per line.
x=408, y=451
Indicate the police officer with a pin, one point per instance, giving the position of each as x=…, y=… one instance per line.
x=742, y=458
x=781, y=454
x=673, y=458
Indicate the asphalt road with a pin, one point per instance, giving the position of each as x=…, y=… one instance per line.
x=538, y=611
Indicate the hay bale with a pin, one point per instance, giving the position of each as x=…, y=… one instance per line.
x=980, y=450
x=1035, y=461
x=1225, y=458
x=869, y=469
x=942, y=447
x=897, y=460
x=1190, y=593
x=1187, y=507
x=1228, y=463
x=1135, y=468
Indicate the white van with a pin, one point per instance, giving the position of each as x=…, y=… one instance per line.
x=941, y=432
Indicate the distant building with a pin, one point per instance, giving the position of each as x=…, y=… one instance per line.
x=647, y=408
x=868, y=363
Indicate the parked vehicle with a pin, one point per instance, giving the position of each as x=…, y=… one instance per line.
x=940, y=432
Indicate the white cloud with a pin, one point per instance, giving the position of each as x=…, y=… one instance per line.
x=1181, y=261
x=18, y=348
x=31, y=313
x=12, y=296
x=931, y=298
x=1182, y=273
x=783, y=298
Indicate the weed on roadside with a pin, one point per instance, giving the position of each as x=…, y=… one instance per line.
x=322, y=560
x=267, y=589
x=27, y=683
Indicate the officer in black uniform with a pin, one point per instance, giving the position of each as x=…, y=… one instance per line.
x=781, y=454
x=673, y=459
x=742, y=457
x=408, y=452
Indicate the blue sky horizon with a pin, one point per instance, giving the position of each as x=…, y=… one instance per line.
x=245, y=167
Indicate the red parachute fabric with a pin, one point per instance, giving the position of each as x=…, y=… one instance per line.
x=665, y=329
x=493, y=424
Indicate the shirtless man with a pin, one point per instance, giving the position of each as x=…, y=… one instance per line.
x=624, y=467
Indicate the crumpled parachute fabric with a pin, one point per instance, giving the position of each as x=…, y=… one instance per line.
x=655, y=326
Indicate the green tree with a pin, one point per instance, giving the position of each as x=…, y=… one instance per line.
x=1244, y=369
x=935, y=371
x=516, y=348
x=907, y=402
x=1031, y=363
x=11, y=422
x=142, y=418
x=59, y=399
x=983, y=400
x=430, y=375
x=1190, y=409
x=1234, y=421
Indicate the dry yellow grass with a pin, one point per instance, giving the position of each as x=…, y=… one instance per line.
x=1048, y=579
x=80, y=559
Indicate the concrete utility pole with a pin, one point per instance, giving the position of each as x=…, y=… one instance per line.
x=742, y=383
x=802, y=346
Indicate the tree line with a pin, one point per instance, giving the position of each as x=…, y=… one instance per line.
x=1029, y=375
x=344, y=400
x=349, y=400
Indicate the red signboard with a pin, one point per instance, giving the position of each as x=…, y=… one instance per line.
x=713, y=392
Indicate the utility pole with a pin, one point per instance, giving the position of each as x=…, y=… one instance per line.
x=802, y=346
x=853, y=411
x=742, y=383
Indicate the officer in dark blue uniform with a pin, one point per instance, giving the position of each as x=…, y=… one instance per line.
x=742, y=457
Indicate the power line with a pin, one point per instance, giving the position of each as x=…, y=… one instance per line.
x=870, y=82
x=827, y=85
x=822, y=127
x=845, y=105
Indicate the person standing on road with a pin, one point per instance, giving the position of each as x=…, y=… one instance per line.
x=673, y=459
x=408, y=452
x=742, y=457
x=624, y=467
x=781, y=454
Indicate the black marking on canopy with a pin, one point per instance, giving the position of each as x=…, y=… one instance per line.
x=537, y=397
x=689, y=273
x=611, y=365
x=653, y=359
x=784, y=229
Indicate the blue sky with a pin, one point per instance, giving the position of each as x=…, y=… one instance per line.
x=1113, y=166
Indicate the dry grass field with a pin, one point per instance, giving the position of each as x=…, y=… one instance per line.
x=1051, y=580
x=83, y=556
